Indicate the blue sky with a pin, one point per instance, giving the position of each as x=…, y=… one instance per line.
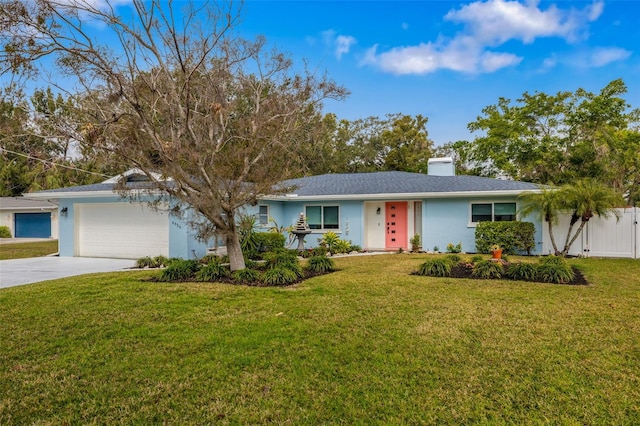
x=447, y=60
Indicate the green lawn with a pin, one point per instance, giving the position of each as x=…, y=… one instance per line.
x=369, y=344
x=23, y=250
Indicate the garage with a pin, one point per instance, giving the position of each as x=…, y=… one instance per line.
x=120, y=230
x=32, y=225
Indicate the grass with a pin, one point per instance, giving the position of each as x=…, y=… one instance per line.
x=24, y=250
x=368, y=344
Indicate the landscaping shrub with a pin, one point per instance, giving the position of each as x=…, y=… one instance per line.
x=180, y=270
x=416, y=244
x=246, y=276
x=454, y=248
x=280, y=257
x=280, y=275
x=212, y=272
x=522, y=272
x=454, y=258
x=476, y=259
x=355, y=247
x=5, y=232
x=321, y=264
x=435, y=268
x=328, y=240
x=146, y=262
x=269, y=241
x=512, y=236
x=161, y=261
x=485, y=269
x=342, y=246
x=319, y=251
x=553, y=269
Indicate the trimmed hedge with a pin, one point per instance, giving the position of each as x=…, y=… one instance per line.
x=514, y=237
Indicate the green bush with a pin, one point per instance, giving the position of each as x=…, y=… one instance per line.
x=212, y=272
x=435, y=268
x=161, y=261
x=280, y=275
x=486, y=269
x=476, y=259
x=454, y=248
x=319, y=251
x=5, y=232
x=453, y=258
x=280, y=257
x=146, y=262
x=321, y=264
x=355, y=247
x=554, y=269
x=269, y=241
x=342, y=246
x=246, y=276
x=180, y=270
x=416, y=243
x=513, y=236
x=522, y=272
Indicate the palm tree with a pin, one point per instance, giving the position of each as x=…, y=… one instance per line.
x=587, y=198
x=546, y=202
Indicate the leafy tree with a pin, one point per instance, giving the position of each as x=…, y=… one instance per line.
x=546, y=202
x=180, y=96
x=558, y=138
x=587, y=198
x=584, y=198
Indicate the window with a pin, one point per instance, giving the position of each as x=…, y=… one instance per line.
x=492, y=212
x=263, y=215
x=323, y=217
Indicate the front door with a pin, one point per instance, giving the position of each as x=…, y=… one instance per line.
x=396, y=219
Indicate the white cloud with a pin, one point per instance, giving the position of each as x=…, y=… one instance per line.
x=605, y=55
x=496, y=21
x=340, y=44
x=488, y=24
x=343, y=44
x=461, y=55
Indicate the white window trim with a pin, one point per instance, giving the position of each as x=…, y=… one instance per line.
x=324, y=230
x=471, y=224
x=258, y=215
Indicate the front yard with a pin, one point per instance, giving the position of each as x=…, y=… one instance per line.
x=24, y=250
x=369, y=344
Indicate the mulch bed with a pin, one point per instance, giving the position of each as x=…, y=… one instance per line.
x=461, y=271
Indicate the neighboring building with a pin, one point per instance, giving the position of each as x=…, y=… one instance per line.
x=28, y=218
x=378, y=211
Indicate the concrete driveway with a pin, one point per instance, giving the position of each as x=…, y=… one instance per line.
x=15, y=272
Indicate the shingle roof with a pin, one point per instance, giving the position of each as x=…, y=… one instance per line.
x=360, y=184
x=17, y=203
x=398, y=183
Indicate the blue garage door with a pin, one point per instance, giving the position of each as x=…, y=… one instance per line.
x=33, y=225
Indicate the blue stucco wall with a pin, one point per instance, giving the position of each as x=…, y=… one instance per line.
x=448, y=221
x=351, y=220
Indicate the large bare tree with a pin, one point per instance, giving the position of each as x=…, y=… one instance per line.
x=213, y=119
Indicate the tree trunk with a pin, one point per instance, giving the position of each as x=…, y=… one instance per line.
x=553, y=240
x=236, y=260
x=574, y=219
x=568, y=245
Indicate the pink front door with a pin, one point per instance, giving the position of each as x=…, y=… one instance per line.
x=396, y=219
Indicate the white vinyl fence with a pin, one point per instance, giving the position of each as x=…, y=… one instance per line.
x=601, y=237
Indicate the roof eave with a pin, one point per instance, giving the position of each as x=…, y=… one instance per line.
x=400, y=196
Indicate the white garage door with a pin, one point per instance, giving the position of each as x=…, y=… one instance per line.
x=120, y=230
